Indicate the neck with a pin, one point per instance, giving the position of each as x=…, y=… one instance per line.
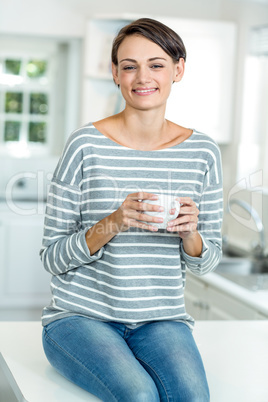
x=142, y=130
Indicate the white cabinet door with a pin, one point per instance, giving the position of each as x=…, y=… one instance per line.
x=260, y=316
x=195, y=298
x=24, y=281
x=223, y=306
x=206, y=302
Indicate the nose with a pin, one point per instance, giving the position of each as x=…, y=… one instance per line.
x=143, y=75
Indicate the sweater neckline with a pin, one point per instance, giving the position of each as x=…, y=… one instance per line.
x=140, y=150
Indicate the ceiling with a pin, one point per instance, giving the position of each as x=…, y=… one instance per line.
x=255, y=1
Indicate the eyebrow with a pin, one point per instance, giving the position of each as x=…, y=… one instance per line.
x=135, y=61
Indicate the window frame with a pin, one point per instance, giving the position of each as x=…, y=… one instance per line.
x=26, y=50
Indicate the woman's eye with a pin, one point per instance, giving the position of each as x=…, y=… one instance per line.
x=157, y=66
x=128, y=68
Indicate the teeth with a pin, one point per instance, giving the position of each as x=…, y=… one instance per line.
x=145, y=90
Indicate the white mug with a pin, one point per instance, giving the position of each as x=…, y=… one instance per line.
x=168, y=202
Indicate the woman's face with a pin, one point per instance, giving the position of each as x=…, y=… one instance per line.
x=145, y=73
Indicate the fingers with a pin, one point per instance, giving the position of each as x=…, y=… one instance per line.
x=138, y=211
x=143, y=206
x=144, y=217
x=188, y=217
x=183, y=224
x=142, y=195
x=141, y=225
x=138, y=208
x=188, y=207
x=133, y=211
x=186, y=200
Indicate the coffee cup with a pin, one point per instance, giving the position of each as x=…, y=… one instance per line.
x=168, y=202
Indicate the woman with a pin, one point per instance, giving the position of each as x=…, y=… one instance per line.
x=117, y=324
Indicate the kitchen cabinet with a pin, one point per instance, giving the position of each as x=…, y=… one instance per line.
x=206, y=302
x=195, y=299
x=24, y=284
x=260, y=316
x=202, y=100
x=224, y=307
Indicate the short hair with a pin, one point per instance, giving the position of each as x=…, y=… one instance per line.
x=155, y=31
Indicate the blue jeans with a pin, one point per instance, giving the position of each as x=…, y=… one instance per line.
x=158, y=361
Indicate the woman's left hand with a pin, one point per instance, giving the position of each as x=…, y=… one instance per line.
x=186, y=222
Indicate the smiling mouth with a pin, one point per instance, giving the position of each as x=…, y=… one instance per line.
x=144, y=91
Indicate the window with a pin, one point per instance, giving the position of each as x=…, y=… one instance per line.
x=26, y=95
x=25, y=109
x=35, y=78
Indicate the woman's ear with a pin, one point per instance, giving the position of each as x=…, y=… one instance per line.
x=179, y=70
x=115, y=73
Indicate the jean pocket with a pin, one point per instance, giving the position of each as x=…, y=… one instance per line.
x=62, y=325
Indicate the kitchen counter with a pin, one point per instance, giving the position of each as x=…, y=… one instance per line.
x=257, y=299
x=235, y=355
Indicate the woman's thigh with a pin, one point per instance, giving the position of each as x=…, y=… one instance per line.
x=93, y=355
x=168, y=352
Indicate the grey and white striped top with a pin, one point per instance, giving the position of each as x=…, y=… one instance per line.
x=138, y=276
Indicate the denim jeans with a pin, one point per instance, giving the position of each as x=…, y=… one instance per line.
x=158, y=361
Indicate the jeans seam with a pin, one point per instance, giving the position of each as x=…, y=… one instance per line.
x=146, y=364
x=77, y=361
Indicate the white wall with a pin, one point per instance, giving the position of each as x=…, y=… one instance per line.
x=68, y=17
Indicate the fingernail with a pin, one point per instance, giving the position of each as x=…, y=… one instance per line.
x=161, y=209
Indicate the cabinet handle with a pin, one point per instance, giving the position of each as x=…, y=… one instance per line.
x=201, y=304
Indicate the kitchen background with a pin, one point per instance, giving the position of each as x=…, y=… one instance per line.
x=55, y=76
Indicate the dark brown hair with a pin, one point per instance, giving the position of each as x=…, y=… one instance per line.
x=155, y=31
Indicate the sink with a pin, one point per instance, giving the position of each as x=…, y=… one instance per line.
x=248, y=273
x=242, y=266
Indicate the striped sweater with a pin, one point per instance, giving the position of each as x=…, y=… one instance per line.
x=138, y=276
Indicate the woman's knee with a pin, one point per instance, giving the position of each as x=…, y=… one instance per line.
x=197, y=396
x=192, y=393
x=145, y=392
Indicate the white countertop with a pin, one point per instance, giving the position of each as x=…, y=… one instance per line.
x=257, y=299
x=235, y=355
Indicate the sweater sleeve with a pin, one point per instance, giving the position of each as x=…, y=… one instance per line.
x=64, y=244
x=210, y=221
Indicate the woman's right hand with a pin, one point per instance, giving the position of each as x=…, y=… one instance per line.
x=131, y=212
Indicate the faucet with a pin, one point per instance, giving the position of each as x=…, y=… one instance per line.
x=259, y=249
